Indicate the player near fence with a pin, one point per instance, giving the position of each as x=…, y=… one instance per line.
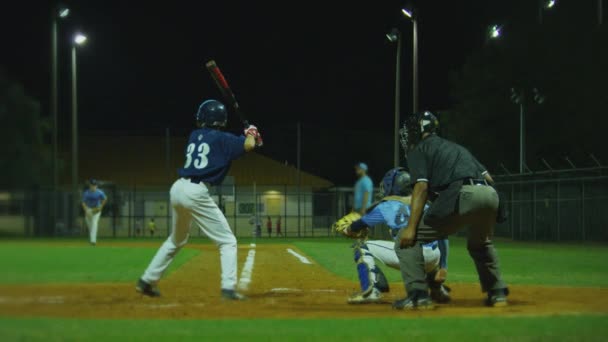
x=93, y=201
x=363, y=190
x=279, y=233
x=394, y=211
x=208, y=156
x=462, y=195
x=152, y=227
x=269, y=226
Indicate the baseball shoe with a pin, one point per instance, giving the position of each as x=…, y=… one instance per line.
x=419, y=300
x=370, y=296
x=497, y=298
x=232, y=295
x=441, y=294
x=147, y=289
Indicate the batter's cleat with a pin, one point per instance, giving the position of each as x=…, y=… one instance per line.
x=371, y=296
x=147, y=289
x=441, y=294
x=417, y=301
x=497, y=298
x=232, y=295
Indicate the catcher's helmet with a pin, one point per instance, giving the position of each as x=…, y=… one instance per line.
x=396, y=182
x=212, y=113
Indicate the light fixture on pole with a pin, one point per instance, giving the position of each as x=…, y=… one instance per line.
x=495, y=31
x=544, y=5
x=79, y=39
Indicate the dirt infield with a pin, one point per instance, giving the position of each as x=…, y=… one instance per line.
x=282, y=286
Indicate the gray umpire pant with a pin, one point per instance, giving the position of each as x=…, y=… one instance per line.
x=477, y=210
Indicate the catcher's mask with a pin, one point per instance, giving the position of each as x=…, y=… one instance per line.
x=396, y=182
x=414, y=127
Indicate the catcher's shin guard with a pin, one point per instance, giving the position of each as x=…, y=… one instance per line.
x=366, y=277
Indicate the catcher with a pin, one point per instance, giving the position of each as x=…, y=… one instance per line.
x=394, y=211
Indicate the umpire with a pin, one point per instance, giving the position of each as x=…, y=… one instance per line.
x=462, y=196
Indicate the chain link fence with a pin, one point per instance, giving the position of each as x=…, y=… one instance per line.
x=277, y=211
x=540, y=209
x=556, y=209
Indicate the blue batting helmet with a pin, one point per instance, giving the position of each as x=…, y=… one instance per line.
x=212, y=113
x=396, y=182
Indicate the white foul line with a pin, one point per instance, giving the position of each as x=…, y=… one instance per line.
x=247, y=271
x=302, y=259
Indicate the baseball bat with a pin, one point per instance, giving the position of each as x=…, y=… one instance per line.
x=225, y=89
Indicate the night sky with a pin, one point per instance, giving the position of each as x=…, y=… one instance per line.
x=325, y=64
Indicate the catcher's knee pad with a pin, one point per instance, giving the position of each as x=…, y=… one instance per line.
x=381, y=281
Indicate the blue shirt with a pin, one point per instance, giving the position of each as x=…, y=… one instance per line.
x=364, y=184
x=93, y=199
x=209, y=154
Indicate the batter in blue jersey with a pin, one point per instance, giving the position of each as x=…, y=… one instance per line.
x=394, y=212
x=208, y=156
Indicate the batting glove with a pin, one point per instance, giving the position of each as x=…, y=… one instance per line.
x=253, y=131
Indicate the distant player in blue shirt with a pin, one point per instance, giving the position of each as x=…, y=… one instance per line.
x=208, y=156
x=394, y=211
x=93, y=201
x=364, y=189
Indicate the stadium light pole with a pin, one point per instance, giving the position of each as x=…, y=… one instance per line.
x=79, y=39
x=395, y=36
x=58, y=13
x=408, y=13
x=518, y=96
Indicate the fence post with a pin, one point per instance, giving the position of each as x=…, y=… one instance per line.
x=512, y=207
x=583, y=210
x=284, y=220
x=558, y=212
x=236, y=208
x=534, y=210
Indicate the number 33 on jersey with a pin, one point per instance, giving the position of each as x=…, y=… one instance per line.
x=209, y=153
x=200, y=159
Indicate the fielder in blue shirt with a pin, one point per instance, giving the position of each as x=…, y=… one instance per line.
x=93, y=201
x=364, y=189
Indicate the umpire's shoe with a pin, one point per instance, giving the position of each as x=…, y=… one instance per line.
x=232, y=295
x=418, y=300
x=147, y=289
x=497, y=298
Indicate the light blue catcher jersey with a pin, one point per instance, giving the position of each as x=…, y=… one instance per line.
x=209, y=154
x=394, y=214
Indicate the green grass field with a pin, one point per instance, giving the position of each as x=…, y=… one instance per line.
x=23, y=262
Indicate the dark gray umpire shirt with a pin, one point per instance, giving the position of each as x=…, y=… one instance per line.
x=444, y=165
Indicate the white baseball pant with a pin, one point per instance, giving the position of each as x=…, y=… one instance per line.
x=92, y=221
x=192, y=205
x=384, y=251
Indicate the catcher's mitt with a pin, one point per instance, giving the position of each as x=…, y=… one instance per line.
x=343, y=226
